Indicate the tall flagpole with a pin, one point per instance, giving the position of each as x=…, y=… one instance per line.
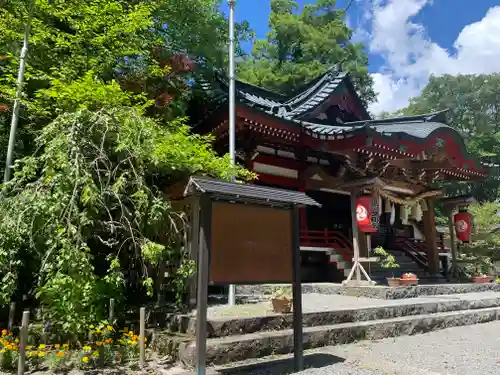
x=232, y=114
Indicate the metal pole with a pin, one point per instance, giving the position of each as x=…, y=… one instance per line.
x=17, y=101
x=232, y=113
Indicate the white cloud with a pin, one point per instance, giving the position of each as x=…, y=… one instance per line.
x=411, y=57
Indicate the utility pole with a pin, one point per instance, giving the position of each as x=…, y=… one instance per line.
x=17, y=102
x=232, y=112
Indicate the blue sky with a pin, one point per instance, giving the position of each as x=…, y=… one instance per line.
x=407, y=40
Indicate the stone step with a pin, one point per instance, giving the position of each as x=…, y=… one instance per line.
x=378, y=291
x=228, y=326
x=255, y=345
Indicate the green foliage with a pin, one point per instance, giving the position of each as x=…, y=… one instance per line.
x=474, y=110
x=302, y=45
x=485, y=239
x=281, y=292
x=135, y=44
x=388, y=261
x=93, y=191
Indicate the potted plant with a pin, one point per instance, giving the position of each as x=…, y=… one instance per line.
x=481, y=271
x=387, y=261
x=281, y=300
x=408, y=279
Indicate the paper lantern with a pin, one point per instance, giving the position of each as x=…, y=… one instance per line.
x=364, y=214
x=462, y=223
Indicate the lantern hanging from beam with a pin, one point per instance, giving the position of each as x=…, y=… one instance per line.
x=462, y=224
x=364, y=214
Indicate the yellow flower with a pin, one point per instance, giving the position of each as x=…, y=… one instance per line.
x=4, y=332
x=28, y=347
x=110, y=328
x=91, y=326
x=87, y=348
x=41, y=354
x=95, y=354
x=57, y=346
x=1, y=351
x=65, y=346
x=42, y=346
x=98, y=343
x=16, y=340
x=31, y=354
x=85, y=359
x=97, y=330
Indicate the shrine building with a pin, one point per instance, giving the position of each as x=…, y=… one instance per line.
x=322, y=141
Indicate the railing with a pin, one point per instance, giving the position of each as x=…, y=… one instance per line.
x=328, y=238
x=413, y=250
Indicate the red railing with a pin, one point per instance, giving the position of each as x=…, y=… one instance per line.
x=328, y=238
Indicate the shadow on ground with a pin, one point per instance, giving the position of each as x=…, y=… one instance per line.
x=281, y=366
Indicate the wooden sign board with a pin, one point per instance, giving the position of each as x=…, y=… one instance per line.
x=250, y=244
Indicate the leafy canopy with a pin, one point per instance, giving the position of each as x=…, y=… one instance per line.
x=147, y=47
x=94, y=191
x=106, y=85
x=303, y=44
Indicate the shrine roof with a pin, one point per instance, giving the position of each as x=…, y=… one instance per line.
x=414, y=126
x=303, y=100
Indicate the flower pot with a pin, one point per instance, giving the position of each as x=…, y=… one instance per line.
x=282, y=305
x=392, y=282
x=481, y=279
x=406, y=282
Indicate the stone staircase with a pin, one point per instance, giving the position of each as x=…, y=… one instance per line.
x=238, y=338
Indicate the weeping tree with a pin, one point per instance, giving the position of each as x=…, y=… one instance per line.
x=85, y=217
x=101, y=134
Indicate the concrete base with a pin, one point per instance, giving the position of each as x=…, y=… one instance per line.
x=378, y=291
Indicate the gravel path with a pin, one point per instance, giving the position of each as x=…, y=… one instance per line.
x=469, y=350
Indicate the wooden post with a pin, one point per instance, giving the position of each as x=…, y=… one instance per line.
x=355, y=234
x=202, y=287
x=12, y=314
x=142, y=336
x=357, y=267
x=194, y=240
x=298, y=344
x=430, y=238
x=453, y=244
x=111, y=311
x=22, y=343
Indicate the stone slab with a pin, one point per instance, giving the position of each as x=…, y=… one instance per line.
x=378, y=291
x=237, y=348
x=221, y=326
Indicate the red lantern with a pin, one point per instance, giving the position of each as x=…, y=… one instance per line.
x=364, y=214
x=462, y=223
